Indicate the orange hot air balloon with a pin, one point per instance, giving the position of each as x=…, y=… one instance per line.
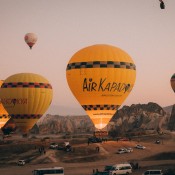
x=172, y=81
x=101, y=77
x=26, y=97
x=4, y=116
x=30, y=39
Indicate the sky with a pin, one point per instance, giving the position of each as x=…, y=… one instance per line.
x=139, y=27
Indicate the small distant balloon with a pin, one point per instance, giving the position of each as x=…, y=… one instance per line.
x=162, y=5
x=30, y=39
x=173, y=82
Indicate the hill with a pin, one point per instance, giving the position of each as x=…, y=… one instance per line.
x=136, y=117
x=168, y=109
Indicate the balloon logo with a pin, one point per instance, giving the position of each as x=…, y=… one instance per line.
x=101, y=77
x=30, y=39
x=26, y=97
x=4, y=116
x=172, y=81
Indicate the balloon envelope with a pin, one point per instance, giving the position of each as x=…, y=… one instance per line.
x=101, y=77
x=26, y=97
x=4, y=116
x=30, y=39
x=172, y=81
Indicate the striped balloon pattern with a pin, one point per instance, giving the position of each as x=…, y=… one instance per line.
x=101, y=77
x=26, y=97
x=172, y=81
x=4, y=116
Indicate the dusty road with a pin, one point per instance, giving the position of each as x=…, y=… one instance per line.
x=76, y=169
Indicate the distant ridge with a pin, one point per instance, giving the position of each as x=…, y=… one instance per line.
x=67, y=110
x=168, y=109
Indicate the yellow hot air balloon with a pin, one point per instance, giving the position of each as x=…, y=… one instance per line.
x=101, y=77
x=4, y=116
x=26, y=97
x=30, y=39
x=173, y=82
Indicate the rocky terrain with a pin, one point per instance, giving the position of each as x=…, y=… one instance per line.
x=140, y=117
x=171, y=124
x=149, y=116
x=54, y=124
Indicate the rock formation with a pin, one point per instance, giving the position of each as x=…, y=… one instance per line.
x=129, y=118
x=171, y=124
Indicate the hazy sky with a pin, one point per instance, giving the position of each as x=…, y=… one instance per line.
x=63, y=27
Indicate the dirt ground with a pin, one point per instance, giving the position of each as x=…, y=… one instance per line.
x=84, y=158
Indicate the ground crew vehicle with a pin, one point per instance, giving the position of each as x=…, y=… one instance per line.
x=21, y=162
x=153, y=172
x=47, y=171
x=125, y=168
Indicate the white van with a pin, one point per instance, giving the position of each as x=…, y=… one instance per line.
x=125, y=168
x=47, y=171
x=153, y=172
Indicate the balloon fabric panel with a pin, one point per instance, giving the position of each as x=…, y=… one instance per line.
x=4, y=116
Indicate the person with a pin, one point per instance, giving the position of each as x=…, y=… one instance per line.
x=98, y=149
x=137, y=166
x=39, y=149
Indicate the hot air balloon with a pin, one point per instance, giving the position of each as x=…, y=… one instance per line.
x=101, y=77
x=30, y=39
x=172, y=81
x=26, y=97
x=162, y=5
x=4, y=116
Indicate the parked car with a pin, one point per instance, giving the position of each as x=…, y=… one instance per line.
x=140, y=147
x=101, y=173
x=68, y=148
x=64, y=146
x=94, y=140
x=108, y=167
x=169, y=171
x=129, y=150
x=124, y=139
x=121, y=151
x=124, y=150
x=53, y=145
x=21, y=162
x=124, y=168
x=61, y=147
x=153, y=172
x=157, y=141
